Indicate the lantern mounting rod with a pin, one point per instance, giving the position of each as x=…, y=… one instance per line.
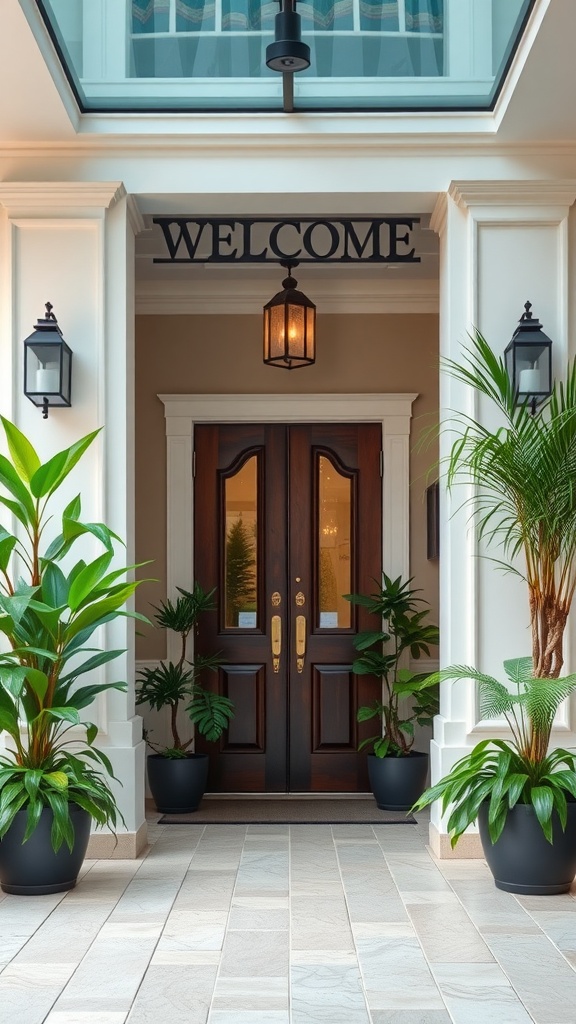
x=288, y=92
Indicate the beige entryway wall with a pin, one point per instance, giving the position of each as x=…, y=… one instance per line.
x=223, y=355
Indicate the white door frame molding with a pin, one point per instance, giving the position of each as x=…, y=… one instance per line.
x=183, y=411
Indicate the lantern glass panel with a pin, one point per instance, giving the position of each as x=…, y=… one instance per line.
x=66, y=374
x=43, y=369
x=296, y=331
x=532, y=369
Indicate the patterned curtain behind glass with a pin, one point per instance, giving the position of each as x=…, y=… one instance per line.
x=150, y=16
x=254, y=15
x=379, y=51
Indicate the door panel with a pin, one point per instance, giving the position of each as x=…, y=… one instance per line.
x=251, y=757
x=287, y=519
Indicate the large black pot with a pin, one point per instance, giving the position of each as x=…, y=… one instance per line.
x=397, y=782
x=522, y=860
x=177, y=783
x=32, y=868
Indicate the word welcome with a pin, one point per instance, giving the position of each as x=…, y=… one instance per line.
x=262, y=240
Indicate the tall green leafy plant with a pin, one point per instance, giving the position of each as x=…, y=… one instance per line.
x=408, y=697
x=170, y=685
x=48, y=616
x=524, y=473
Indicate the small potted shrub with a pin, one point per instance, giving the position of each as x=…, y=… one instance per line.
x=51, y=786
x=176, y=775
x=396, y=771
x=522, y=795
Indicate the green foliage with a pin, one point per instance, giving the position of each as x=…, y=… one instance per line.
x=48, y=617
x=182, y=616
x=240, y=574
x=168, y=684
x=409, y=697
x=510, y=772
x=524, y=477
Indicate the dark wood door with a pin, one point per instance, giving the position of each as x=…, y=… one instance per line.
x=287, y=520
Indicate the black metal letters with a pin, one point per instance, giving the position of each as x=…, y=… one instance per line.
x=269, y=240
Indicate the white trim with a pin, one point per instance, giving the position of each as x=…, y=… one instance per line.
x=32, y=195
x=183, y=411
x=513, y=193
x=178, y=297
x=52, y=61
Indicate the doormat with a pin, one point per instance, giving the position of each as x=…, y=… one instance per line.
x=289, y=812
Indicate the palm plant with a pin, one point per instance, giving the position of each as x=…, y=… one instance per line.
x=169, y=685
x=507, y=772
x=48, y=616
x=525, y=478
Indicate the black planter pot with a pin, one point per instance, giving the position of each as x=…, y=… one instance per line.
x=522, y=860
x=177, y=784
x=397, y=782
x=32, y=868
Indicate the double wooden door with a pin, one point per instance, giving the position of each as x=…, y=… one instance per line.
x=288, y=519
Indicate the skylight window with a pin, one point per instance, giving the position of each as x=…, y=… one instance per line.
x=209, y=55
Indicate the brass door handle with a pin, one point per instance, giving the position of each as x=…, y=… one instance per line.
x=300, y=642
x=276, y=633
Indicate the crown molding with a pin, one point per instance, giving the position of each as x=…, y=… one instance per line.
x=439, y=214
x=239, y=296
x=59, y=195
x=514, y=193
x=135, y=218
x=323, y=137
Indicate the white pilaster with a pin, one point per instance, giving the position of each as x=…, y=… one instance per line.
x=501, y=244
x=73, y=244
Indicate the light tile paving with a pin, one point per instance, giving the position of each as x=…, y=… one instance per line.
x=278, y=924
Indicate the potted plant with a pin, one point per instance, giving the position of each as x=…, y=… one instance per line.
x=396, y=771
x=522, y=795
x=176, y=775
x=53, y=782
x=524, y=473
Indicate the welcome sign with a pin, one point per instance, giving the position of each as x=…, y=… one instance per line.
x=269, y=240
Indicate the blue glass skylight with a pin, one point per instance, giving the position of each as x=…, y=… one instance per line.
x=209, y=55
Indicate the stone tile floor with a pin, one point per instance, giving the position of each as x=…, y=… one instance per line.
x=279, y=924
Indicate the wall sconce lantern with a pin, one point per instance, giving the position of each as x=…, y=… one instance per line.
x=47, y=365
x=529, y=361
x=289, y=326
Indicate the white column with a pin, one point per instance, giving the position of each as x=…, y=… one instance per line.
x=501, y=244
x=73, y=244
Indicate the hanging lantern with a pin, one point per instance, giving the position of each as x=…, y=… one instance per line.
x=289, y=326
